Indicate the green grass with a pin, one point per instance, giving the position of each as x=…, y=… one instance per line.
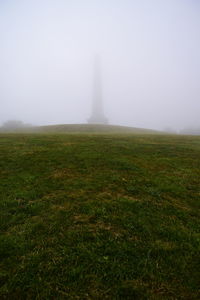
x=103, y=216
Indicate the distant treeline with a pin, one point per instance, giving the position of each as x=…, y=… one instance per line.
x=13, y=125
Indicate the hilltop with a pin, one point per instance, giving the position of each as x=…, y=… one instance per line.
x=93, y=128
x=82, y=128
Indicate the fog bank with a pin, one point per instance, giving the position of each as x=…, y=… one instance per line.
x=150, y=61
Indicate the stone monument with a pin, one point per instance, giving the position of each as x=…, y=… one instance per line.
x=97, y=115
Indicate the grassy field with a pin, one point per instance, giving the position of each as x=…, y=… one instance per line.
x=105, y=216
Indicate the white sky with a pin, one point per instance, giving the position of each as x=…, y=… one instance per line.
x=150, y=52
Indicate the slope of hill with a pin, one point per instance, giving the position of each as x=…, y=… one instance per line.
x=80, y=128
x=92, y=128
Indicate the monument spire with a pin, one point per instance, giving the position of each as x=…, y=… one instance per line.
x=97, y=116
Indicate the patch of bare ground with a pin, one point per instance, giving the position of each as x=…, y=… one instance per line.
x=92, y=225
x=60, y=173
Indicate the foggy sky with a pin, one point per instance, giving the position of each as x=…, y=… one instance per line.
x=150, y=53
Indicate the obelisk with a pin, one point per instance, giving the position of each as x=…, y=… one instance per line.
x=97, y=115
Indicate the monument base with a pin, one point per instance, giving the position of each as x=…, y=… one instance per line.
x=98, y=120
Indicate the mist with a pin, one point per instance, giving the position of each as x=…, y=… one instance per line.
x=150, y=61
